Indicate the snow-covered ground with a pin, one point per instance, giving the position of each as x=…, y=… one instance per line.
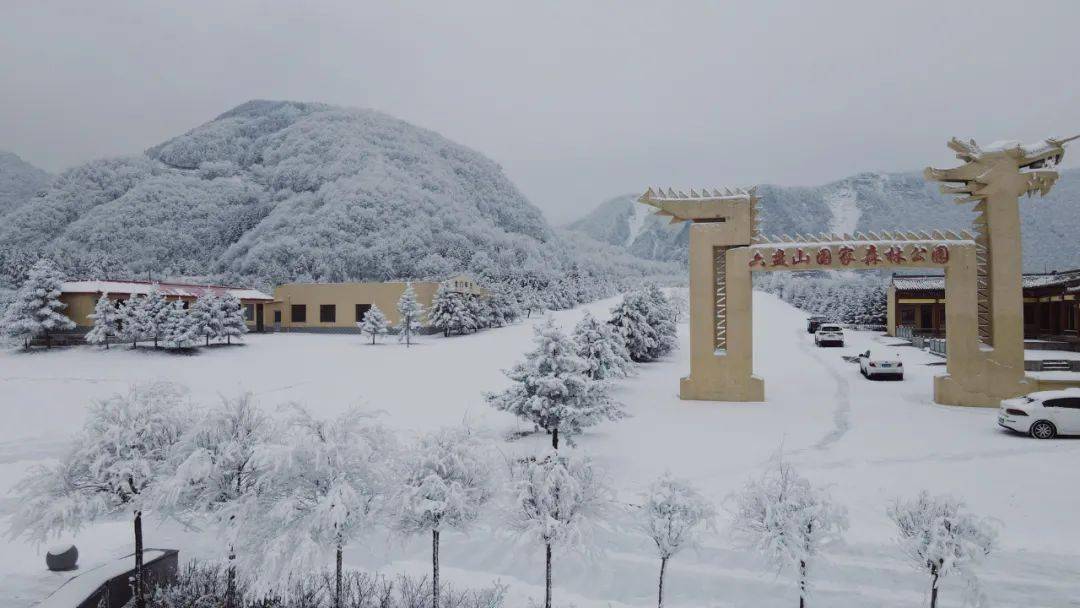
x=845, y=211
x=869, y=441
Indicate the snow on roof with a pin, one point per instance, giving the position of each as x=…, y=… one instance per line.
x=181, y=290
x=1029, y=281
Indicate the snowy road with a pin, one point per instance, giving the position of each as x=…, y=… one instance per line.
x=869, y=441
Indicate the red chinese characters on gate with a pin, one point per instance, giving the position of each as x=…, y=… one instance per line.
x=871, y=255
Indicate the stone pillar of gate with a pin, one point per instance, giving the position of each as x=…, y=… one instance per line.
x=721, y=320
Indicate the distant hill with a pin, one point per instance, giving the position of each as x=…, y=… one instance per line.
x=284, y=191
x=868, y=201
x=19, y=182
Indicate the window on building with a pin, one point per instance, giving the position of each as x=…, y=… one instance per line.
x=907, y=315
x=1029, y=313
x=361, y=310
x=277, y=316
x=1071, y=317
x=249, y=312
x=327, y=313
x=299, y=313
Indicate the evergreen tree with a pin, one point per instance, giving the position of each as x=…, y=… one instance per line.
x=603, y=350
x=374, y=324
x=410, y=310
x=134, y=324
x=105, y=322
x=206, y=320
x=156, y=310
x=179, y=328
x=444, y=310
x=553, y=390
x=232, y=317
x=478, y=313
x=646, y=320
x=36, y=309
x=502, y=308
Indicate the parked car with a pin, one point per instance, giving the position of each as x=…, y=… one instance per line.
x=829, y=334
x=880, y=365
x=813, y=323
x=1043, y=415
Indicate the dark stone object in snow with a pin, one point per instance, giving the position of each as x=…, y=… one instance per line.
x=62, y=557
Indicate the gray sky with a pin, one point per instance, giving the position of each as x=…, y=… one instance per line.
x=577, y=100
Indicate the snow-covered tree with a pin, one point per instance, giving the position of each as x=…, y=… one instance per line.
x=552, y=389
x=212, y=472
x=232, y=317
x=134, y=322
x=786, y=519
x=939, y=538
x=178, y=327
x=646, y=321
x=375, y=323
x=674, y=515
x=478, y=312
x=529, y=299
x=410, y=310
x=680, y=304
x=105, y=322
x=447, y=481
x=556, y=500
x=502, y=309
x=157, y=311
x=110, y=467
x=444, y=306
x=322, y=483
x=206, y=319
x=603, y=350
x=37, y=309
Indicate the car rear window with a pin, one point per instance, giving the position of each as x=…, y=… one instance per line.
x=830, y=328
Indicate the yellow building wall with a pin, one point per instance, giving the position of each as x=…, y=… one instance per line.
x=81, y=305
x=345, y=297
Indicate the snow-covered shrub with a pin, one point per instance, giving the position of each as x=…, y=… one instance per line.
x=36, y=309
x=673, y=515
x=552, y=389
x=602, y=349
x=375, y=323
x=557, y=499
x=322, y=483
x=940, y=539
x=787, y=520
x=105, y=322
x=109, y=469
x=410, y=310
x=447, y=481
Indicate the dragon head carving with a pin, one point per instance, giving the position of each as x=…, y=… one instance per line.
x=1003, y=167
x=698, y=206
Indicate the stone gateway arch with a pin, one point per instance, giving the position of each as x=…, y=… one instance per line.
x=983, y=300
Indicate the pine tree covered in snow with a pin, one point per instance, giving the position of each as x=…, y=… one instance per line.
x=478, y=313
x=36, y=310
x=631, y=321
x=674, y=515
x=787, y=520
x=375, y=323
x=556, y=500
x=322, y=484
x=447, y=481
x=109, y=469
x=134, y=322
x=157, y=311
x=552, y=389
x=450, y=312
x=940, y=539
x=212, y=472
x=231, y=313
x=603, y=350
x=204, y=316
x=105, y=322
x=502, y=308
x=410, y=310
x=178, y=327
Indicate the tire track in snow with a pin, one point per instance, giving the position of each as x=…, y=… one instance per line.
x=842, y=396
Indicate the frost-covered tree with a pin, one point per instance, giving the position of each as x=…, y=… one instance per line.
x=556, y=500
x=786, y=519
x=646, y=321
x=552, y=389
x=232, y=317
x=529, y=299
x=444, y=307
x=603, y=350
x=375, y=323
x=322, y=483
x=502, y=309
x=680, y=304
x=478, y=313
x=37, y=309
x=447, y=481
x=940, y=539
x=674, y=515
x=105, y=322
x=213, y=474
x=206, y=318
x=410, y=311
x=134, y=322
x=157, y=311
x=178, y=327
x=110, y=467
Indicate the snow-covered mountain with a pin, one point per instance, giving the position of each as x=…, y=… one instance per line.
x=279, y=190
x=19, y=182
x=868, y=201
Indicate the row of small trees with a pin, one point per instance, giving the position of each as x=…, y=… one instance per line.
x=855, y=300
x=154, y=318
x=455, y=312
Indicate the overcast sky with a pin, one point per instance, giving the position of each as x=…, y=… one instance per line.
x=577, y=100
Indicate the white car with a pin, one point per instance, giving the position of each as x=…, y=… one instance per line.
x=1043, y=415
x=880, y=365
x=829, y=334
